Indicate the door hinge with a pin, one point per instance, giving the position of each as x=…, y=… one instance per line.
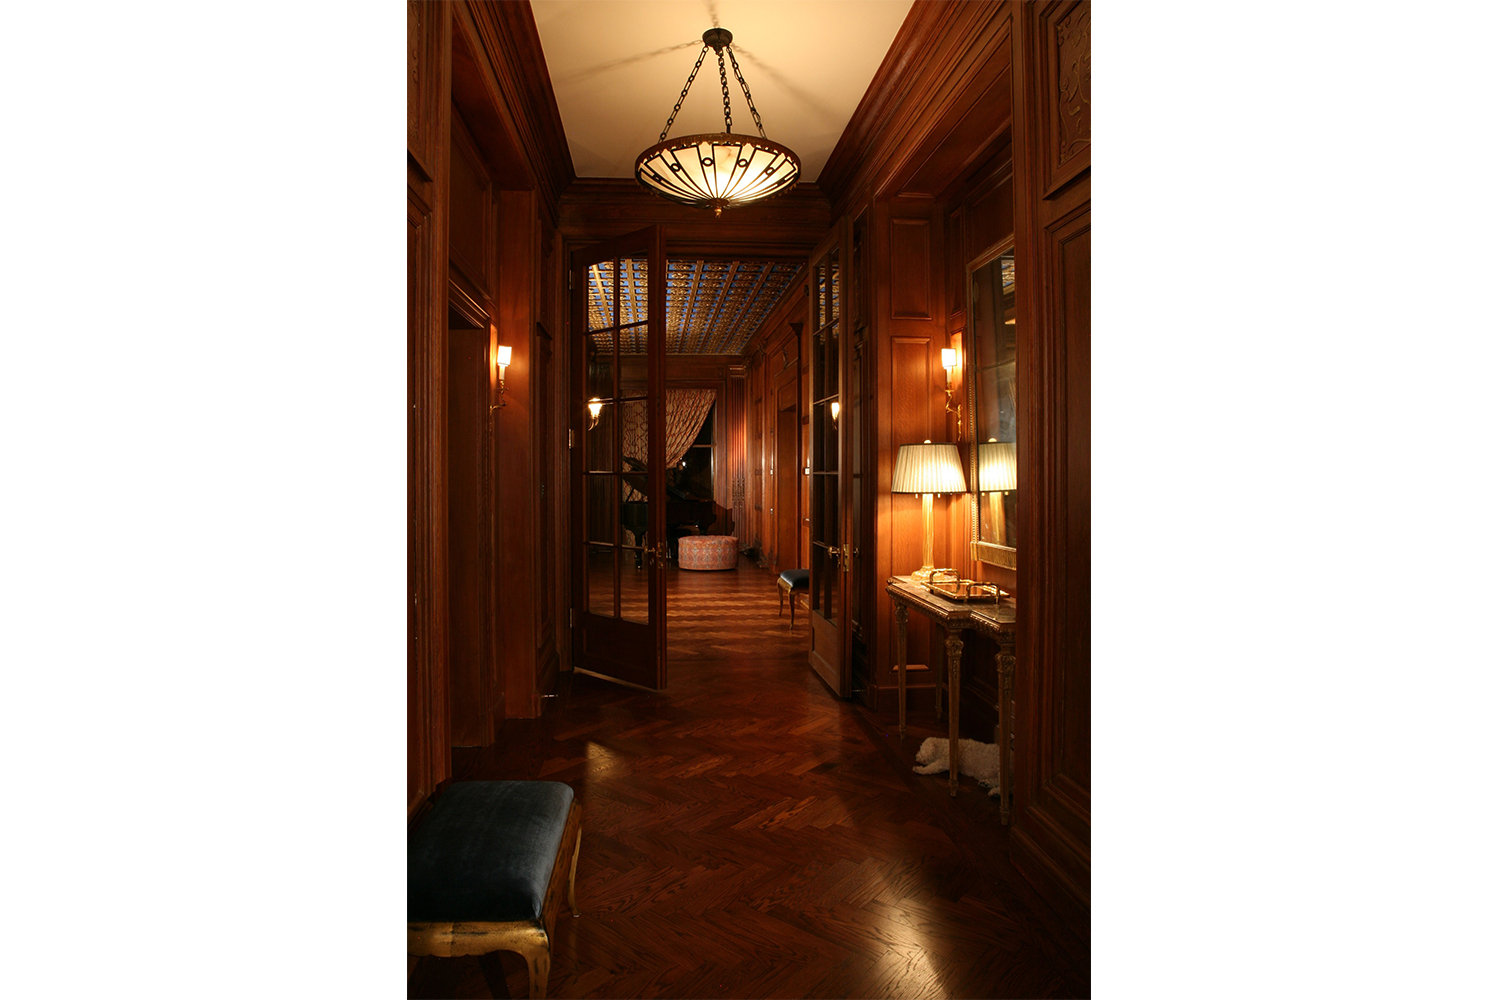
x=570, y=618
x=570, y=281
x=570, y=439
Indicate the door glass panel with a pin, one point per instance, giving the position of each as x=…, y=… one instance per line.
x=600, y=382
x=601, y=306
x=601, y=580
x=632, y=292
x=823, y=460
x=599, y=440
x=635, y=595
x=603, y=503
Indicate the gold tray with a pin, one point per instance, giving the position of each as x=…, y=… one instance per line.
x=966, y=591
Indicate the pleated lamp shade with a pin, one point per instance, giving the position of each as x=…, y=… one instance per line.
x=928, y=468
x=997, y=466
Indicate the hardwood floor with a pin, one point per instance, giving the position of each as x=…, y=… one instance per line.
x=746, y=834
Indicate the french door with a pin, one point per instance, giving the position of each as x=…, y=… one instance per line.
x=618, y=326
x=829, y=466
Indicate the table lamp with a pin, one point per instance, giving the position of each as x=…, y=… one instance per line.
x=997, y=475
x=927, y=468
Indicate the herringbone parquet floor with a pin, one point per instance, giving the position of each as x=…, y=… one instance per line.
x=746, y=834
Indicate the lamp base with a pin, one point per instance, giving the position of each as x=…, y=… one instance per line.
x=923, y=575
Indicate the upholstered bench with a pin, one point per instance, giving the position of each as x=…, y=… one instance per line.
x=484, y=871
x=787, y=584
x=708, y=552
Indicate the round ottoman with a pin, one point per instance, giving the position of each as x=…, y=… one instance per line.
x=708, y=552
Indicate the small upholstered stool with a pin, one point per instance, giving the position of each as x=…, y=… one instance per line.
x=484, y=871
x=708, y=552
x=787, y=584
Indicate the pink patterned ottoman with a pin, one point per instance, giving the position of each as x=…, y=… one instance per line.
x=708, y=552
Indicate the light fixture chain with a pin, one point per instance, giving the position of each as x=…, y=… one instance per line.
x=724, y=84
x=683, y=96
x=746, y=88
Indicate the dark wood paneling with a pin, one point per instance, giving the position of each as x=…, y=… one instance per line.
x=1066, y=73
x=790, y=225
x=947, y=55
x=471, y=212
x=911, y=268
x=517, y=491
x=499, y=66
x=1051, y=838
x=429, y=47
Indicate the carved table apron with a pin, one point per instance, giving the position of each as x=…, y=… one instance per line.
x=998, y=621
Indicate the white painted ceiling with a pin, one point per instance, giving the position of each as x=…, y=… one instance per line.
x=618, y=66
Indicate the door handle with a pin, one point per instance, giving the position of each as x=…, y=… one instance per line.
x=657, y=552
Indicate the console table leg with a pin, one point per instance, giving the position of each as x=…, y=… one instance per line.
x=955, y=646
x=901, y=612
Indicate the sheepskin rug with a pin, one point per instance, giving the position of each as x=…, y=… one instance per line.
x=978, y=760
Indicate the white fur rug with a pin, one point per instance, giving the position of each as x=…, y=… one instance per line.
x=977, y=760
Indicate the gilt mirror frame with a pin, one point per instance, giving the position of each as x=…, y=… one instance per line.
x=992, y=553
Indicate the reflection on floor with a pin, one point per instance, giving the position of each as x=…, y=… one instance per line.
x=748, y=835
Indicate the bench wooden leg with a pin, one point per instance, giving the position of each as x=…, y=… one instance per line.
x=573, y=873
x=780, y=598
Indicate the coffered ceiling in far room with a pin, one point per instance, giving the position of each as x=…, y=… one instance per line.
x=617, y=68
x=713, y=306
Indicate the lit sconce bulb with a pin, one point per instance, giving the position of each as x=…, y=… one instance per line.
x=502, y=361
x=950, y=363
x=833, y=408
x=595, y=405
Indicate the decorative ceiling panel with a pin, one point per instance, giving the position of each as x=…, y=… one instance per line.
x=713, y=306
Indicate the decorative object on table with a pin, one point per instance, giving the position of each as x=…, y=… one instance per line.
x=980, y=761
x=927, y=469
x=946, y=583
x=717, y=170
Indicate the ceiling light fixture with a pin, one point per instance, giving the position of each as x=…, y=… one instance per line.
x=717, y=170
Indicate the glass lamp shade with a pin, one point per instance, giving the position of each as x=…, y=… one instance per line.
x=928, y=468
x=717, y=170
x=997, y=466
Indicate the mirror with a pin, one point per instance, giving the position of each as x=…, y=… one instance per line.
x=992, y=318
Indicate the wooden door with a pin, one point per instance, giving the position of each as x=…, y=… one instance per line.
x=619, y=460
x=829, y=487
x=475, y=691
x=787, y=471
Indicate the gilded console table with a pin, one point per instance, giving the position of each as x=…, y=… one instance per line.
x=998, y=621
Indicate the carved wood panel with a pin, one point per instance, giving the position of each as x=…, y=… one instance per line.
x=1067, y=79
x=911, y=269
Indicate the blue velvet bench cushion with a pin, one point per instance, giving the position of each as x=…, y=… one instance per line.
x=795, y=579
x=486, y=851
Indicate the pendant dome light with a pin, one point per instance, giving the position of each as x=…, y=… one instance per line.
x=717, y=169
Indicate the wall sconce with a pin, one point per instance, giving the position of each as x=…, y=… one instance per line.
x=950, y=364
x=833, y=409
x=595, y=405
x=502, y=360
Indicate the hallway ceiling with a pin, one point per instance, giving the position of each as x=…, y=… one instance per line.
x=618, y=67
x=713, y=306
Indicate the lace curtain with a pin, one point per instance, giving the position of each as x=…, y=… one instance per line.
x=686, y=411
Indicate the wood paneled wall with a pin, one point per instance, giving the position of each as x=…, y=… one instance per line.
x=1051, y=838
x=776, y=377
x=429, y=46
x=486, y=163
x=966, y=89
